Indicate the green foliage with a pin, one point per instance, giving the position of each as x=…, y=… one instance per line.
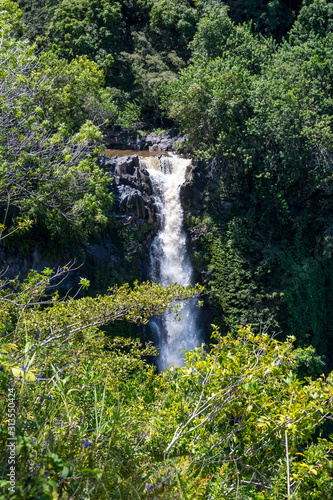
x=273, y=18
x=174, y=16
x=233, y=411
x=11, y=17
x=234, y=283
x=89, y=28
x=210, y=99
x=309, y=364
x=314, y=20
x=292, y=117
x=107, y=32
x=212, y=32
x=71, y=92
x=98, y=423
x=218, y=36
x=309, y=295
x=35, y=17
x=209, y=102
x=129, y=119
x=150, y=69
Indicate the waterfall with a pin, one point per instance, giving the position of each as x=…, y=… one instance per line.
x=169, y=260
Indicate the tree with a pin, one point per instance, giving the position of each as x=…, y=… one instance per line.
x=174, y=16
x=218, y=36
x=91, y=28
x=48, y=176
x=269, y=18
x=209, y=101
x=210, y=98
x=35, y=17
x=150, y=68
x=314, y=20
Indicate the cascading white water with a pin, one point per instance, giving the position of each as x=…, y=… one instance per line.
x=169, y=259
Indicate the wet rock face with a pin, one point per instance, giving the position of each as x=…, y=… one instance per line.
x=134, y=202
x=192, y=191
x=131, y=186
x=135, y=212
x=163, y=142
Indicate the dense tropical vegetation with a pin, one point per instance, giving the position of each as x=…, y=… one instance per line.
x=250, y=84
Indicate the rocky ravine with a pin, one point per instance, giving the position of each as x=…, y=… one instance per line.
x=136, y=213
x=123, y=253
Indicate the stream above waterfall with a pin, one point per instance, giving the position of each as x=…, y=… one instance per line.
x=110, y=153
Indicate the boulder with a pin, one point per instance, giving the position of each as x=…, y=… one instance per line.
x=134, y=203
x=127, y=165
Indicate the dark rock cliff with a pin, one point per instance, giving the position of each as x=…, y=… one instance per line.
x=166, y=141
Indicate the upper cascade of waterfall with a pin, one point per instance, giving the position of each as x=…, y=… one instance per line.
x=169, y=259
x=167, y=176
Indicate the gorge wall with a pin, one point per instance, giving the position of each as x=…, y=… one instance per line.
x=121, y=253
